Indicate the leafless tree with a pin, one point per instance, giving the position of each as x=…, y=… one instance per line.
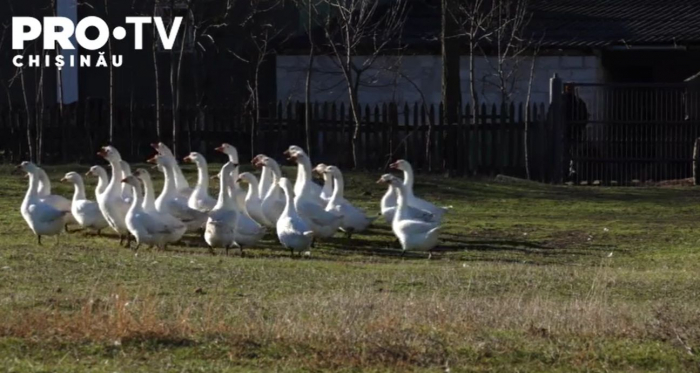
x=357, y=32
x=111, y=78
x=510, y=45
x=264, y=35
x=474, y=18
x=307, y=10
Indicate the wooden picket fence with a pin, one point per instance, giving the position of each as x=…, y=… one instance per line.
x=492, y=141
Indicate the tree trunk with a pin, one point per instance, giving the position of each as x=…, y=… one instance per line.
x=307, y=108
x=30, y=140
x=451, y=90
x=157, y=79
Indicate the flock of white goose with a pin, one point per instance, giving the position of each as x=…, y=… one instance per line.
x=300, y=213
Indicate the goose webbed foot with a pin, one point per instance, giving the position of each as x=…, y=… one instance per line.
x=38, y=239
x=313, y=242
x=211, y=251
x=241, y=248
x=65, y=227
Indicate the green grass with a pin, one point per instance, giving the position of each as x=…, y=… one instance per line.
x=528, y=277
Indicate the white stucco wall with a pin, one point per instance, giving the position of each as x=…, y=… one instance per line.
x=422, y=74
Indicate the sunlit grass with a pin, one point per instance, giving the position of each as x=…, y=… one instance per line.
x=529, y=277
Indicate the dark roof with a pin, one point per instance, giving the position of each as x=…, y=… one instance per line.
x=598, y=23
x=576, y=23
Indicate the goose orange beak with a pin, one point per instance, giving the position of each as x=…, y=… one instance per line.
x=380, y=181
x=124, y=180
x=154, y=145
x=219, y=149
x=394, y=165
x=152, y=160
x=102, y=153
x=187, y=159
x=63, y=179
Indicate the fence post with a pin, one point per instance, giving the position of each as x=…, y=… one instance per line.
x=557, y=123
x=696, y=162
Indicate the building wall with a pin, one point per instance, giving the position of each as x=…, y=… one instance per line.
x=421, y=76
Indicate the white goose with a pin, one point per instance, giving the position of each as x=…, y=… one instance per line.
x=273, y=202
x=354, y=220
x=253, y=203
x=146, y=228
x=414, y=235
x=304, y=173
x=412, y=200
x=113, y=207
x=200, y=199
x=43, y=219
x=323, y=223
x=232, y=154
x=304, y=181
x=127, y=191
x=172, y=202
x=59, y=202
x=102, y=179
x=327, y=190
x=220, y=229
x=248, y=231
x=149, y=206
x=181, y=184
x=86, y=212
x=293, y=232
x=266, y=177
x=388, y=208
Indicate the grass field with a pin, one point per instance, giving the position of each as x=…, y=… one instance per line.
x=528, y=278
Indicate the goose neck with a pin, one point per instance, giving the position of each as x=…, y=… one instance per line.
x=116, y=175
x=264, y=179
x=252, y=189
x=408, y=178
x=32, y=188
x=79, y=193
x=338, y=187
x=401, y=202
x=202, y=175
x=169, y=186
x=289, y=208
x=137, y=200
x=328, y=183
x=149, y=203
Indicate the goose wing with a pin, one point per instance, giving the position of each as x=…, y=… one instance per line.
x=317, y=214
x=183, y=212
x=416, y=226
x=45, y=213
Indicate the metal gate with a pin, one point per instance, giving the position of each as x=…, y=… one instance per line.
x=625, y=134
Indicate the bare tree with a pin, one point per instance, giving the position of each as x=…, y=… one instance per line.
x=474, y=18
x=358, y=32
x=509, y=20
x=156, y=80
x=264, y=36
x=310, y=9
x=451, y=90
x=111, y=78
